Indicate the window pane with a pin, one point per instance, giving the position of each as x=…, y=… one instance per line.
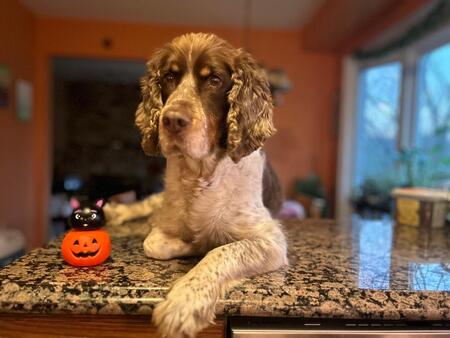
x=377, y=123
x=433, y=116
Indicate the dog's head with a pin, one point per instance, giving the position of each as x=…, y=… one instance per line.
x=201, y=94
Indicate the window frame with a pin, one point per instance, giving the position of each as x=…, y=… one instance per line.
x=351, y=70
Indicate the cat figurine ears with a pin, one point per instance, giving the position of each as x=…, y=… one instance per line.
x=75, y=204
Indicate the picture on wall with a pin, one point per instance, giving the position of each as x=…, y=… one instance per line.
x=24, y=100
x=5, y=81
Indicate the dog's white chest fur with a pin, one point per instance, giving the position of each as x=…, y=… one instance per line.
x=214, y=209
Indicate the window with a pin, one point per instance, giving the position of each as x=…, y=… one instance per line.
x=395, y=123
x=432, y=133
x=377, y=121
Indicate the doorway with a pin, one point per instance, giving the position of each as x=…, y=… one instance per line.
x=96, y=148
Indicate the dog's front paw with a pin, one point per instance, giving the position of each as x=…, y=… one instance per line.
x=183, y=313
x=115, y=214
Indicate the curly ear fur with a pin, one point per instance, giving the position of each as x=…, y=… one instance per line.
x=148, y=111
x=249, y=119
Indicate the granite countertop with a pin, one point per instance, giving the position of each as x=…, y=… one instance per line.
x=358, y=269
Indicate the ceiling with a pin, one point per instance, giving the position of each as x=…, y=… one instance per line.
x=282, y=14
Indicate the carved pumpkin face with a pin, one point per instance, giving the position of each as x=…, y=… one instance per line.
x=86, y=248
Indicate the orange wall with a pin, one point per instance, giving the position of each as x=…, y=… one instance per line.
x=16, y=138
x=305, y=139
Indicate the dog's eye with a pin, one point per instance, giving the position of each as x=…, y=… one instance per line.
x=170, y=77
x=214, y=81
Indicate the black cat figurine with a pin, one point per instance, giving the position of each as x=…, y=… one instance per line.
x=86, y=216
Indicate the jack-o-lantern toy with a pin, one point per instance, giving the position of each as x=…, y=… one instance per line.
x=86, y=244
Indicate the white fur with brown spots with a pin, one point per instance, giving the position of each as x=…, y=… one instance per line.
x=212, y=204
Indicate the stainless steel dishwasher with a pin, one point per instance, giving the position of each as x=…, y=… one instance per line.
x=259, y=327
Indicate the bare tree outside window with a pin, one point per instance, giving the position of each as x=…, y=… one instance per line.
x=433, y=116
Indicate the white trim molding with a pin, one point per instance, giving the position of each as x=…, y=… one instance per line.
x=347, y=132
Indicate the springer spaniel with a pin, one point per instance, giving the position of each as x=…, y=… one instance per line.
x=207, y=108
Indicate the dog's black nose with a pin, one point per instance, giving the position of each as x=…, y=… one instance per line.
x=175, y=121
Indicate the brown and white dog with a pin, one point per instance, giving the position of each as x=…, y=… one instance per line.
x=207, y=108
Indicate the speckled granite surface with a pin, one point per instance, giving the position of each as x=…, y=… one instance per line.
x=353, y=270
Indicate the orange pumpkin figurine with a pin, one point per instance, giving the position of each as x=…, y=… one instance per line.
x=86, y=244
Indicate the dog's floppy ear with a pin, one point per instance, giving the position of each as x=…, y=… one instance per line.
x=249, y=120
x=149, y=110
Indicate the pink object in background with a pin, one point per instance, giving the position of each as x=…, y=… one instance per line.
x=291, y=210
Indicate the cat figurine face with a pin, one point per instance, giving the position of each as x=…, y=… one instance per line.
x=86, y=216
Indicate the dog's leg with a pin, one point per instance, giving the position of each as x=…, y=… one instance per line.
x=117, y=214
x=190, y=304
x=162, y=246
